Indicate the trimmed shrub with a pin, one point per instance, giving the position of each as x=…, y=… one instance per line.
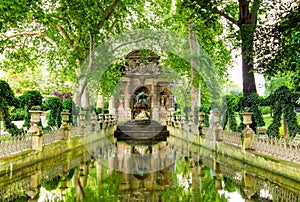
x=7, y=100
x=54, y=104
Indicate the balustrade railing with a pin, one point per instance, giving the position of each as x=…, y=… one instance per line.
x=52, y=136
x=277, y=148
x=265, y=189
x=231, y=173
x=233, y=138
x=74, y=131
x=14, y=144
x=272, y=191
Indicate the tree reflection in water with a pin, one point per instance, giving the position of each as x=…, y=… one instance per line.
x=189, y=181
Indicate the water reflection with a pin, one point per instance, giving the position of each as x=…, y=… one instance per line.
x=206, y=177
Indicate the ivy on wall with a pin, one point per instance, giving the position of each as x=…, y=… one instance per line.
x=283, y=102
x=256, y=101
x=229, y=106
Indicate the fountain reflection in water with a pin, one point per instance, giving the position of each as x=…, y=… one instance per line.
x=197, y=177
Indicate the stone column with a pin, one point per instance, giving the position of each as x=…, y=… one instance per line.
x=66, y=169
x=218, y=184
x=112, y=105
x=195, y=173
x=65, y=118
x=155, y=114
x=99, y=171
x=36, y=136
x=35, y=131
x=247, y=134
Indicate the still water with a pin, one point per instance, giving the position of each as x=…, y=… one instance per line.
x=83, y=178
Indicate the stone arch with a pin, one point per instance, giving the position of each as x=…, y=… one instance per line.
x=133, y=101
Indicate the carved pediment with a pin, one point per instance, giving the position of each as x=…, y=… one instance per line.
x=142, y=62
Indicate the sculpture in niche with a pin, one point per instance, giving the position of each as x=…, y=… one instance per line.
x=142, y=97
x=141, y=106
x=163, y=99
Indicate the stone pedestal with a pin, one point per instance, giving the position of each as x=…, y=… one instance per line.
x=248, y=135
x=36, y=135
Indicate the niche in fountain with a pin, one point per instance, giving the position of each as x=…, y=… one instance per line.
x=141, y=108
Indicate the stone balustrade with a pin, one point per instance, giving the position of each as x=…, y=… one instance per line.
x=256, y=184
x=52, y=136
x=246, y=140
x=36, y=138
x=228, y=137
x=15, y=144
x=277, y=148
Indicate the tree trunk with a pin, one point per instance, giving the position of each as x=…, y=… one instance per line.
x=81, y=96
x=249, y=85
x=247, y=24
x=194, y=50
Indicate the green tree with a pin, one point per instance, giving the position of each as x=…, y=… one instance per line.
x=204, y=43
x=244, y=15
x=63, y=34
x=280, y=42
x=279, y=53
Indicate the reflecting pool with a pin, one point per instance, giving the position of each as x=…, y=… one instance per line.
x=83, y=178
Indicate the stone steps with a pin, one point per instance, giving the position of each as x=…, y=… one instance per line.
x=141, y=132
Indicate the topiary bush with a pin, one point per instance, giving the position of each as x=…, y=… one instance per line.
x=229, y=106
x=68, y=104
x=52, y=184
x=6, y=100
x=31, y=98
x=18, y=114
x=54, y=104
x=27, y=101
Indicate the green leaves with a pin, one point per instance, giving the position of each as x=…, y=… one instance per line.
x=280, y=43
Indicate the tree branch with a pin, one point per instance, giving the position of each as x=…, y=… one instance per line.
x=109, y=12
x=47, y=38
x=62, y=31
x=231, y=19
x=254, y=11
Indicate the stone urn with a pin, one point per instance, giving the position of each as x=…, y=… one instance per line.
x=217, y=117
x=201, y=117
x=247, y=118
x=35, y=116
x=65, y=116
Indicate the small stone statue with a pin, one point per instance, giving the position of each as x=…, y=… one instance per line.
x=142, y=98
